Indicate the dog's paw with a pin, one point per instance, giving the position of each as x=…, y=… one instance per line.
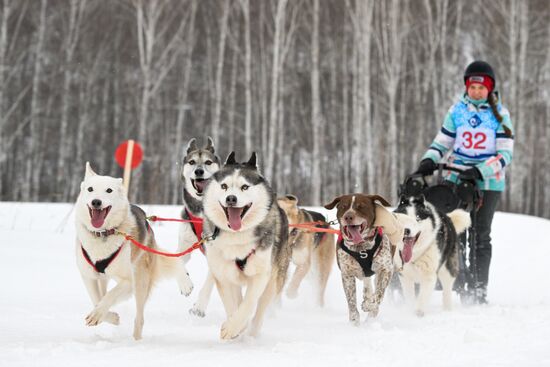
x=354, y=318
x=370, y=305
x=112, y=318
x=419, y=313
x=230, y=330
x=292, y=293
x=95, y=317
x=197, y=311
x=185, y=284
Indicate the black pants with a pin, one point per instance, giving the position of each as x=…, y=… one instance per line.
x=483, y=249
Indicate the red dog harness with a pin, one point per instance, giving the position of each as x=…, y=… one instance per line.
x=197, y=227
x=100, y=265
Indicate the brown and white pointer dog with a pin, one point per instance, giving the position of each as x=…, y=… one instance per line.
x=363, y=251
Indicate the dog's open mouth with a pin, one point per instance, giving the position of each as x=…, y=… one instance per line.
x=235, y=215
x=199, y=184
x=98, y=216
x=354, y=232
x=408, y=244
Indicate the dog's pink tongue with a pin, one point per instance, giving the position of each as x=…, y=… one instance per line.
x=355, y=232
x=407, y=252
x=98, y=217
x=200, y=185
x=234, y=216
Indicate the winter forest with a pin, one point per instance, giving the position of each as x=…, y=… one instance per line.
x=335, y=96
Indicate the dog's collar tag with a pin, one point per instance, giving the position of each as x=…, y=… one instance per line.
x=105, y=233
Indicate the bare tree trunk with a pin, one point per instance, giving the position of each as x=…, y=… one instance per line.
x=390, y=49
x=219, y=71
x=183, y=96
x=6, y=12
x=153, y=23
x=345, y=117
x=316, y=116
x=232, y=95
x=245, y=4
x=275, y=75
x=72, y=34
x=34, y=162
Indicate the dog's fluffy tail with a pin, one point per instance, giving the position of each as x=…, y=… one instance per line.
x=461, y=220
x=167, y=267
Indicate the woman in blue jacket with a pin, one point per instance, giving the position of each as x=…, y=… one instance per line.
x=478, y=137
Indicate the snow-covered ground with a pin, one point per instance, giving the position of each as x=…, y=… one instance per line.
x=43, y=304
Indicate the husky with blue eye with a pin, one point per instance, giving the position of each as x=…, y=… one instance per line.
x=102, y=213
x=247, y=245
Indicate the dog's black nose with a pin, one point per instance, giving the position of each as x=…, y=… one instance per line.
x=348, y=218
x=231, y=200
x=96, y=203
x=407, y=232
x=199, y=172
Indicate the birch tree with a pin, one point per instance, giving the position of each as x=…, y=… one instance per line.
x=219, y=70
x=72, y=36
x=316, y=116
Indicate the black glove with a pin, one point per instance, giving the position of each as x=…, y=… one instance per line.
x=426, y=167
x=471, y=174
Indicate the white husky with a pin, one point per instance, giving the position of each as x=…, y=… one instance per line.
x=102, y=212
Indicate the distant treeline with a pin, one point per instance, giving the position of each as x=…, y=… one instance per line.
x=335, y=96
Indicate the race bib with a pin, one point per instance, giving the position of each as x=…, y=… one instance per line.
x=475, y=142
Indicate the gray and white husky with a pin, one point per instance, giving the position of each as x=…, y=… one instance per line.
x=246, y=244
x=199, y=164
x=434, y=254
x=102, y=211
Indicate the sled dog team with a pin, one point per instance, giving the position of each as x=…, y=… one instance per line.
x=243, y=230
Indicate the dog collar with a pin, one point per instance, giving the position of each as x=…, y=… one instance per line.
x=105, y=233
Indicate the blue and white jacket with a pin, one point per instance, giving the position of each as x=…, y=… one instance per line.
x=477, y=139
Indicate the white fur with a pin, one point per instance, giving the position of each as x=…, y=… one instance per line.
x=131, y=274
x=214, y=199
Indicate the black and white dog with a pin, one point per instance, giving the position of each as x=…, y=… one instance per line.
x=434, y=254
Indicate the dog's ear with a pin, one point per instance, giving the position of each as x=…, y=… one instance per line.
x=192, y=145
x=89, y=171
x=121, y=186
x=333, y=203
x=292, y=198
x=252, y=161
x=230, y=159
x=210, y=145
x=379, y=199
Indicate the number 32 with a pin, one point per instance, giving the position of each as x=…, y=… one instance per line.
x=474, y=141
